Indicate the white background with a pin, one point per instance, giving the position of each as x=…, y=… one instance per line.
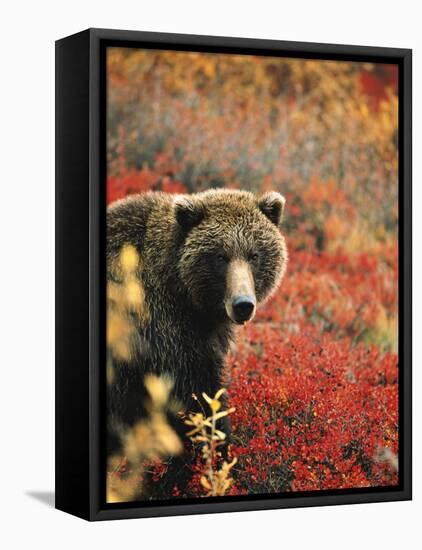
x=27, y=272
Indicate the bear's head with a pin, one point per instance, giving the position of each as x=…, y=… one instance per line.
x=233, y=255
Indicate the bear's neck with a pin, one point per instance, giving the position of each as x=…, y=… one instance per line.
x=188, y=345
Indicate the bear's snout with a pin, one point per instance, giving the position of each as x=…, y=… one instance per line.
x=243, y=308
x=240, y=298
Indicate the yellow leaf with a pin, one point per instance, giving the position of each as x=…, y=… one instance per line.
x=219, y=393
x=205, y=483
x=207, y=398
x=129, y=258
x=215, y=405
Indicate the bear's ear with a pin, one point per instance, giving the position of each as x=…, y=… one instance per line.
x=188, y=212
x=272, y=205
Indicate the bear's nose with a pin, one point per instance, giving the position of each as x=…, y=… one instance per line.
x=243, y=307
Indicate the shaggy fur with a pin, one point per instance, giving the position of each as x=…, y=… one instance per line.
x=186, y=244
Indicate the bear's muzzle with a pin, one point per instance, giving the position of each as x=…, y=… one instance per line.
x=240, y=300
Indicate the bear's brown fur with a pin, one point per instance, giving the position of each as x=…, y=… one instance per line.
x=198, y=254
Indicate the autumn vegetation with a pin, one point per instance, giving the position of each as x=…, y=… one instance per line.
x=313, y=381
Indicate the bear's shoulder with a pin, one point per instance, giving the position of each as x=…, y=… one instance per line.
x=138, y=207
x=127, y=219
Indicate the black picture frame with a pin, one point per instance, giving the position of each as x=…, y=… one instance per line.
x=80, y=272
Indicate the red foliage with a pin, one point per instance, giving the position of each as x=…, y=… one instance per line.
x=319, y=412
x=118, y=187
x=375, y=83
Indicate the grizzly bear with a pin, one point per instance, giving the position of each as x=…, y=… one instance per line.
x=206, y=261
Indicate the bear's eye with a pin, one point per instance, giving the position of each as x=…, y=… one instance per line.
x=221, y=258
x=254, y=256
